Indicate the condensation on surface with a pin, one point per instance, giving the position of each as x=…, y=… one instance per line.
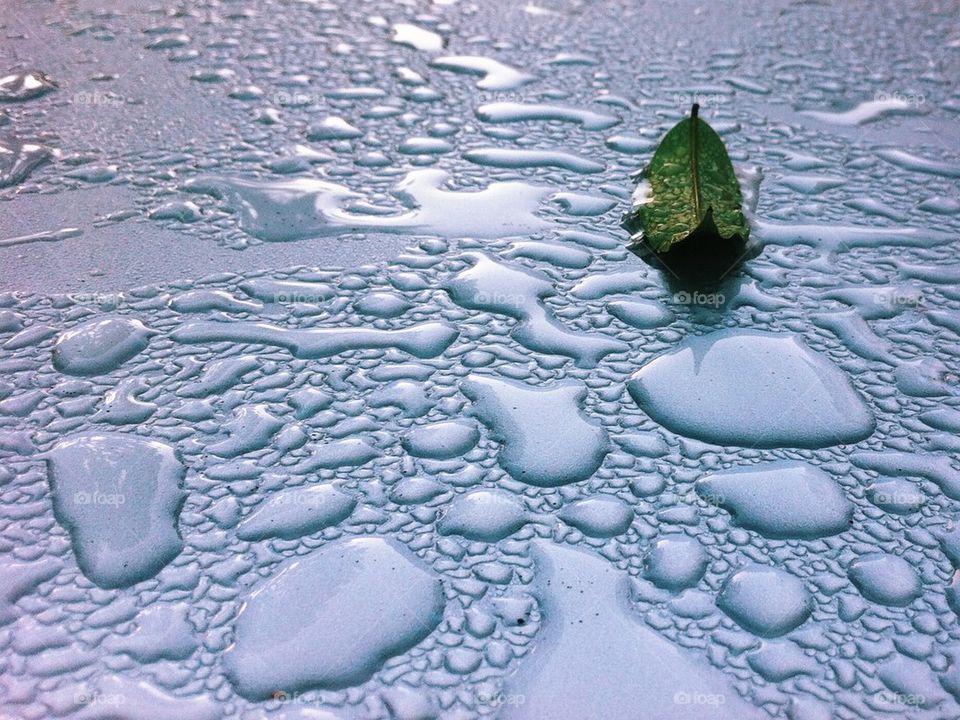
x=329, y=391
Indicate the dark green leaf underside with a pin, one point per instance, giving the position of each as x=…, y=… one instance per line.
x=690, y=178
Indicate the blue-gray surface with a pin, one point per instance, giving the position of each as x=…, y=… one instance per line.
x=328, y=389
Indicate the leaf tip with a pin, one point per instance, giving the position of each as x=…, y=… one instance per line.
x=694, y=111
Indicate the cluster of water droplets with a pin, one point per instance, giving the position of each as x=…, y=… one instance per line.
x=459, y=454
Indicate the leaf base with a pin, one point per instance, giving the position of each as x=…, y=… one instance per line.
x=703, y=257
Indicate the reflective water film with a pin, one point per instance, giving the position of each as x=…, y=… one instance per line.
x=329, y=389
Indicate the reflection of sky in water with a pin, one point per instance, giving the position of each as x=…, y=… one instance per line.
x=330, y=390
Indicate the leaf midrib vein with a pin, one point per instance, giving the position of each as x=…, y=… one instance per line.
x=694, y=165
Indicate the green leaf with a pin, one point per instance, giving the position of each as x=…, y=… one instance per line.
x=692, y=191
